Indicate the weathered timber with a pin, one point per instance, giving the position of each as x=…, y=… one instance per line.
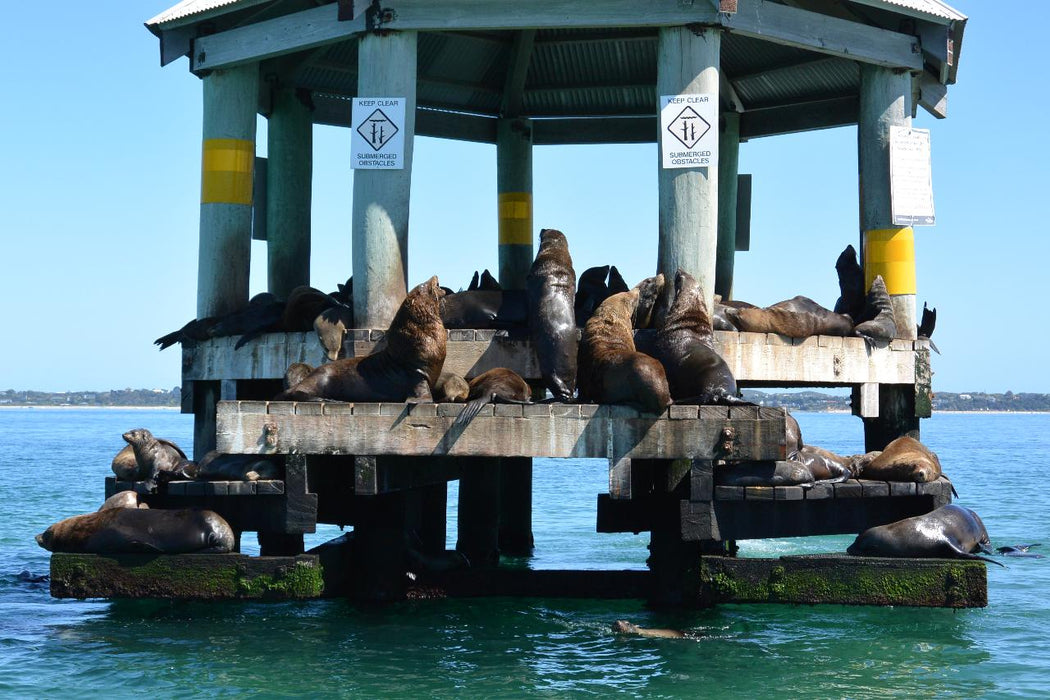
x=479, y=511
x=845, y=580
x=185, y=576
x=544, y=430
x=756, y=359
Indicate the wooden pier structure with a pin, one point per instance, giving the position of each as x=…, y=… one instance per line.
x=516, y=75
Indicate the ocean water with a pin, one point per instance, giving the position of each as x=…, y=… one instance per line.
x=53, y=462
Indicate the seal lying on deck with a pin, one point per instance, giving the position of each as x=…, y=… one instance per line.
x=611, y=370
x=407, y=368
x=497, y=385
x=483, y=308
x=117, y=530
x=123, y=499
x=799, y=317
x=696, y=373
x=950, y=532
x=904, y=459
x=551, y=288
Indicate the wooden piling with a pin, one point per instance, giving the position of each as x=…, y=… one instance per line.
x=289, y=182
x=479, y=486
x=514, y=188
x=728, y=167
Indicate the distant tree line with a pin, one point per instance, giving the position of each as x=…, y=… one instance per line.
x=794, y=401
x=114, y=397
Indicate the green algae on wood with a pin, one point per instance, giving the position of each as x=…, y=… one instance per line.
x=841, y=579
x=186, y=576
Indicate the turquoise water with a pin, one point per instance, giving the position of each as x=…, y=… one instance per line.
x=53, y=462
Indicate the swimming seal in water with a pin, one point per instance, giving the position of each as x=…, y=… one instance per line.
x=611, y=370
x=951, y=532
x=551, y=288
x=117, y=530
x=406, y=369
x=625, y=627
x=696, y=373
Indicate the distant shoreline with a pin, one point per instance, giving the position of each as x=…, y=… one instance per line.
x=88, y=408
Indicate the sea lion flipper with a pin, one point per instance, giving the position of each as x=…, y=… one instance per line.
x=472, y=409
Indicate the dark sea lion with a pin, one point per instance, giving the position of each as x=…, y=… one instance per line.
x=407, y=368
x=118, y=530
x=263, y=314
x=497, y=385
x=551, y=288
x=779, y=473
x=696, y=373
x=625, y=627
x=489, y=283
x=123, y=499
x=926, y=325
x=344, y=293
x=825, y=466
x=878, y=322
x=296, y=372
x=799, y=317
x=610, y=368
x=216, y=466
x=591, y=290
x=303, y=305
x=1019, y=550
x=719, y=320
x=157, y=459
x=649, y=291
x=473, y=282
x=616, y=282
x=904, y=459
x=793, y=434
x=851, y=284
x=485, y=309
x=331, y=326
x=196, y=330
x=950, y=532
x=451, y=388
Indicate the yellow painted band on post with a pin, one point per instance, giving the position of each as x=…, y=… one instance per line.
x=890, y=252
x=515, y=218
x=227, y=166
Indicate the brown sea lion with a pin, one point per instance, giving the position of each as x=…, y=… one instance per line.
x=117, y=530
x=497, y=385
x=125, y=466
x=611, y=370
x=407, y=368
x=551, y=288
x=123, y=499
x=825, y=466
x=904, y=459
x=157, y=459
x=625, y=627
x=485, y=309
x=331, y=326
x=296, y=372
x=451, y=388
x=799, y=317
x=851, y=285
x=950, y=532
x=878, y=322
x=649, y=291
x=696, y=373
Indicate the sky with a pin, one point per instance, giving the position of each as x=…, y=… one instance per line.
x=100, y=184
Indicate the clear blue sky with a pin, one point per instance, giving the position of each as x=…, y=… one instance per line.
x=100, y=181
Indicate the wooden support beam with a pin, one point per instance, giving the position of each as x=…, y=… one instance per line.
x=514, y=200
x=758, y=19
x=479, y=511
x=728, y=166
x=515, y=517
x=800, y=116
x=289, y=180
x=517, y=72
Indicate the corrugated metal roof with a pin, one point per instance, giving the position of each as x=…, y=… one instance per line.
x=193, y=8
x=919, y=8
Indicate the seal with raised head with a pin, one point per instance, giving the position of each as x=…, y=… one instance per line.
x=497, y=385
x=611, y=370
x=798, y=317
x=904, y=459
x=696, y=373
x=591, y=290
x=117, y=530
x=157, y=459
x=950, y=532
x=406, y=369
x=851, y=284
x=551, y=288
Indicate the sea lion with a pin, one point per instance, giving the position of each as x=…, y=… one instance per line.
x=878, y=322
x=1019, y=550
x=825, y=466
x=779, y=473
x=497, y=385
x=263, y=314
x=551, y=288
x=406, y=369
x=851, y=284
x=296, y=372
x=610, y=368
x=451, y=388
x=798, y=317
x=591, y=290
x=123, y=499
x=925, y=327
x=473, y=282
x=118, y=530
x=950, y=532
x=649, y=291
x=156, y=458
x=696, y=373
x=216, y=466
x=125, y=466
x=331, y=326
x=485, y=309
x=616, y=283
x=625, y=627
x=904, y=459
x=303, y=305
x=489, y=283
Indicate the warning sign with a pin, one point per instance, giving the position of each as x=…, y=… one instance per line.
x=688, y=133
x=911, y=177
x=378, y=137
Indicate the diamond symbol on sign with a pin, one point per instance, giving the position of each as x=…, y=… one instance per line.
x=377, y=129
x=688, y=127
